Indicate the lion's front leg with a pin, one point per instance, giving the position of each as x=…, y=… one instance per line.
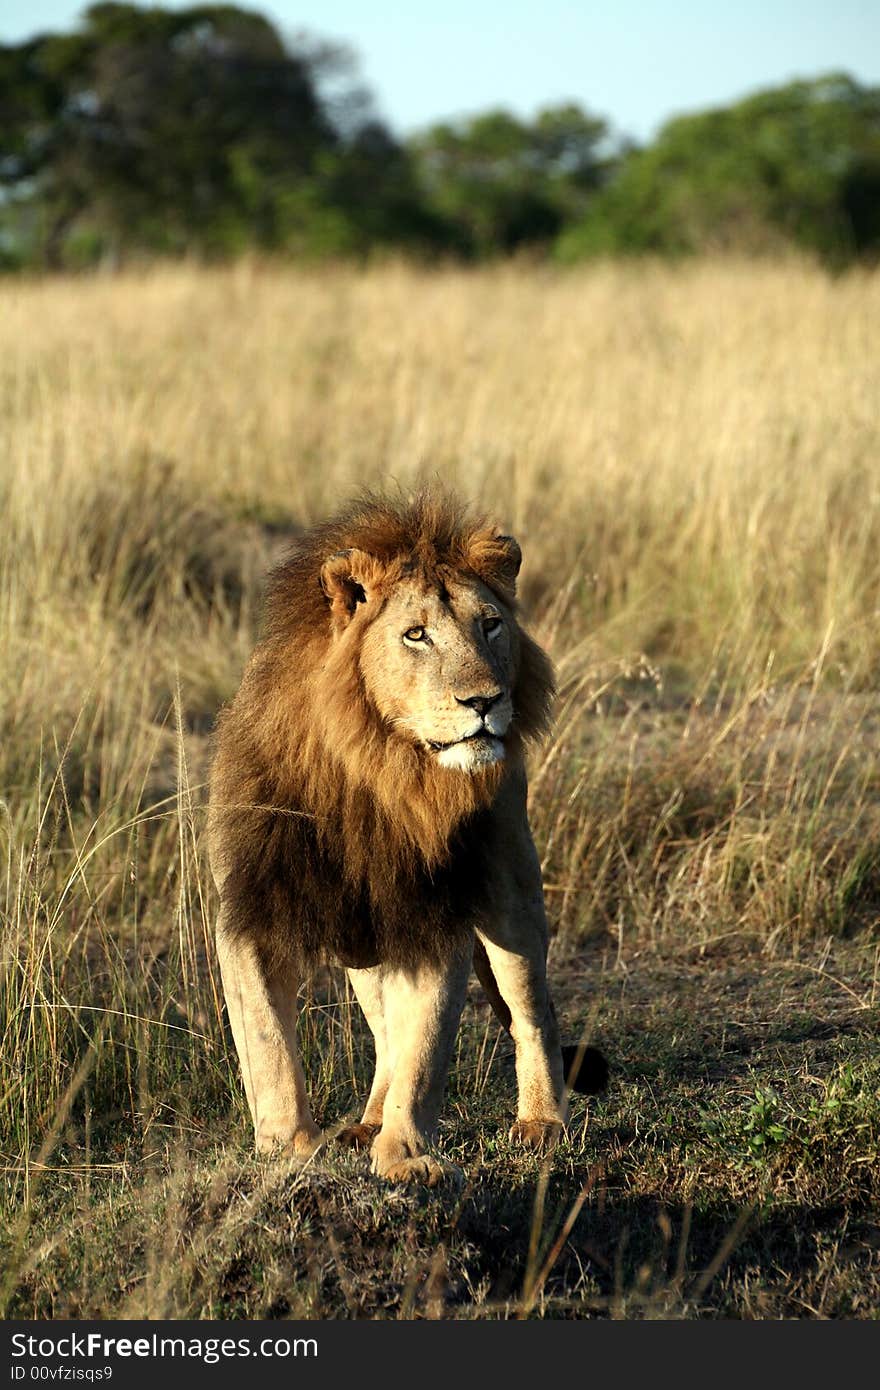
x=262, y=1014
x=515, y=947
x=421, y=1009
x=520, y=973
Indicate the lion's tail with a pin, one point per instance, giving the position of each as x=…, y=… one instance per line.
x=585, y=1068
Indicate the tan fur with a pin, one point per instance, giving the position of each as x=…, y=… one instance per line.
x=368, y=808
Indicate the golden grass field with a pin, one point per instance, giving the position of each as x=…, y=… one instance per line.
x=690, y=457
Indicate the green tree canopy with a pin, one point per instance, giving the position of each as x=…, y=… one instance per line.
x=797, y=164
x=193, y=128
x=201, y=129
x=502, y=183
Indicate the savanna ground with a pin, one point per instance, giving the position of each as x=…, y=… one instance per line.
x=690, y=459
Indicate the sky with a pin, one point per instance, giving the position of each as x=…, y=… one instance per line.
x=636, y=62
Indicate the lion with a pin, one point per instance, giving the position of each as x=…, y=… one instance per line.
x=368, y=810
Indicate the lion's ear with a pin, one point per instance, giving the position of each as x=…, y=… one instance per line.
x=496, y=559
x=348, y=578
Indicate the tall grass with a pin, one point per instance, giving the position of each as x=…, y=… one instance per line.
x=689, y=457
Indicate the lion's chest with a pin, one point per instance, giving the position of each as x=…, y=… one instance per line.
x=379, y=912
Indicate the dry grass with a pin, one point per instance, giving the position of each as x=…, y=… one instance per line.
x=689, y=457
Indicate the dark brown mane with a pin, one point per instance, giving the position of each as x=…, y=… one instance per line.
x=332, y=832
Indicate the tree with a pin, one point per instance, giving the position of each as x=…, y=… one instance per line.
x=798, y=164
x=177, y=130
x=502, y=183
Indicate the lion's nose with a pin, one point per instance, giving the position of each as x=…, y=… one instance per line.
x=481, y=703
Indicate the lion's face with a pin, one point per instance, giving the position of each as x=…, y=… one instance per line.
x=436, y=654
x=437, y=663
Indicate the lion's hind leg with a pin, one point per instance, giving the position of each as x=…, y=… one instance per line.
x=367, y=985
x=262, y=1010
x=421, y=1013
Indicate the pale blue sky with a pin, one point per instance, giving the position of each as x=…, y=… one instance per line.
x=634, y=61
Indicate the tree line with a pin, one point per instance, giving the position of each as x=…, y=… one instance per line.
x=201, y=131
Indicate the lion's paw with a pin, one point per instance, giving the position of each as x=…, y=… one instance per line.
x=301, y=1144
x=358, y=1136
x=422, y=1169
x=542, y=1135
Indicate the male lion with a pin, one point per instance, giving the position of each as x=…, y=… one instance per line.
x=368, y=808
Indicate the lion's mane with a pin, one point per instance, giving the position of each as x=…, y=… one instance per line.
x=331, y=836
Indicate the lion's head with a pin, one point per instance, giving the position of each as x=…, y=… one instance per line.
x=424, y=663
x=437, y=648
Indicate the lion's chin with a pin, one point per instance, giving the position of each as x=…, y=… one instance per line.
x=471, y=754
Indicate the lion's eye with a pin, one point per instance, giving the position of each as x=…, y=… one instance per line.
x=415, y=634
x=492, y=626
